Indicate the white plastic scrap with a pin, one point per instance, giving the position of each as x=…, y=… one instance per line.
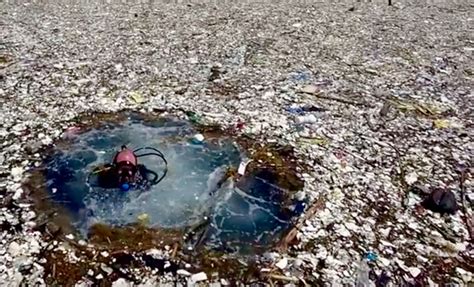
x=243, y=167
x=198, y=277
x=282, y=264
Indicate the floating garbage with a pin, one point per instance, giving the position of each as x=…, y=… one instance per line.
x=136, y=97
x=71, y=131
x=243, y=166
x=441, y=123
x=383, y=279
x=295, y=110
x=441, y=201
x=240, y=125
x=309, y=89
x=371, y=256
x=304, y=109
x=300, y=76
x=193, y=117
x=143, y=218
x=198, y=138
x=362, y=279
x=307, y=119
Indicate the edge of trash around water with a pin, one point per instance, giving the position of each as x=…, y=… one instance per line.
x=54, y=220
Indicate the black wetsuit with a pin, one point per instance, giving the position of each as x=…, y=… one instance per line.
x=108, y=178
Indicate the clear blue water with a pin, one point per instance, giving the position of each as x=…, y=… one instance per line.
x=246, y=213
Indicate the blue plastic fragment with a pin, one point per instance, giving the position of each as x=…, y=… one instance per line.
x=297, y=110
x=371, y=256
x=299, y=207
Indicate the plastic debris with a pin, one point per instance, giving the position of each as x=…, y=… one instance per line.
x=420, y=108
x=198, y=277
x=414, y=271
x=183, y=272
x=310, y=119
x=371, y=256
x=143, y=218
x=193, y=117
x=383, y=279
x=71, y=131
x=441, y=201
x=314, y=141
x=282, y=264
x=414, y=64
x=304, y=109
x=297, y=25
x=121, y=283
x=309, y=89
x=441, y=124
x=106, y=268
x=301, y=76
x=243, y=167
x=411, y=178
x=17, y=172
x=137, y=97
x=295, y=110
x=14, y=249
x=363, y=279
x=385, y=262
x=240, y=125
x=198, y=138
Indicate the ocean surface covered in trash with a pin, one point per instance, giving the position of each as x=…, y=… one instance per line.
x=236, y=215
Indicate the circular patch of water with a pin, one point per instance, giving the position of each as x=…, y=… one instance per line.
x=196, y=189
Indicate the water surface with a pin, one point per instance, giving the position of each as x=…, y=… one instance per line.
x=236, y=215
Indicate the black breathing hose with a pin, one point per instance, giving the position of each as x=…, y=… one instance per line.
x=159, y=154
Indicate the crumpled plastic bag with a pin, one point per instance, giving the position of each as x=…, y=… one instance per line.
x=137, y=97
x=441, y=124
x=143, y=218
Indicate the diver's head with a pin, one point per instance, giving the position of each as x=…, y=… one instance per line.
x=125, y=162
x=126, y=174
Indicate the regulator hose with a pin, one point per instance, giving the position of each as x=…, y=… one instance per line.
x=154, y=152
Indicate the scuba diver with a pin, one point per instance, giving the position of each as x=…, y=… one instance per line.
x=125, y=172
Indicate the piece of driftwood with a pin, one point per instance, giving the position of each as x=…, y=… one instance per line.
x=285, y=242
x=282, y=277
x=175, y=250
